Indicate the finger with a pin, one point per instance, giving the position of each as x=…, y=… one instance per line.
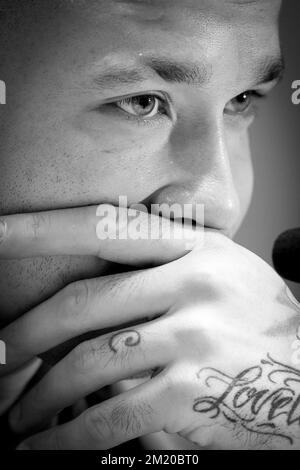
x=137, y=412
x=13, y=385
x=86, y=306
x=120, y=235
x=91, y=366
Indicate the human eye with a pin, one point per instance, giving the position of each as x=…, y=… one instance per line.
x=143, y=108
x=243, y=103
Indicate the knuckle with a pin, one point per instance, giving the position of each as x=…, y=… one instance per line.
x=86, y=354
x=98, y=427
x=180, y=385
x=129, y=419
x=37, y=225
x=3, y=231
x=77, y=297
x=203, y=278
x=184, y=330
x=175, y=378
x=203, y=282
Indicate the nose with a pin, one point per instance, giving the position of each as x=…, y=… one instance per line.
x=201, y=174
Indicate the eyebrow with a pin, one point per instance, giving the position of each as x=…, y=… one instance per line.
x=270, y=69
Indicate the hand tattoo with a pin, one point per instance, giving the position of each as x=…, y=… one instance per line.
x=128, y=338
x=264, y=399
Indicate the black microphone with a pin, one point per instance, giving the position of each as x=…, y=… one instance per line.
x=286, y=255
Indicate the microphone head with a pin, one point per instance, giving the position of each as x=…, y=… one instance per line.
x=286, y=255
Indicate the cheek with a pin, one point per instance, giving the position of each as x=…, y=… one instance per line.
x=242, y=172
x=58, y=163
x=121, y=158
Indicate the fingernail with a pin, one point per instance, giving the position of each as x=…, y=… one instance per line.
x=2, y=229
x=23, y=446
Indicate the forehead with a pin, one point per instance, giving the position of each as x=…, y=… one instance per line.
x=214, y=33
x=208, y=30
x=204, y=5
x=176, y=23
x=195, y=10
x=191, y=19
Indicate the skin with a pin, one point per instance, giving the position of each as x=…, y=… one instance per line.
x=58, y=150
x=219, y=338
x=207, y=118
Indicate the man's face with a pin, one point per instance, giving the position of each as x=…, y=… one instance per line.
x=148, y=99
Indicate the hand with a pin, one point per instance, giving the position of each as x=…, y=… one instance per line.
x=222, y=344
x=71, y=231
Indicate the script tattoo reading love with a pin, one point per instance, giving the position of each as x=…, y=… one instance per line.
x=264, y=399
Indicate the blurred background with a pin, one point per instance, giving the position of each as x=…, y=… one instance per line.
x=276, y=153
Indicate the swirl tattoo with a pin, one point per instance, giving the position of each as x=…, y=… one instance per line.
x=128, y=338
x=264, y=399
